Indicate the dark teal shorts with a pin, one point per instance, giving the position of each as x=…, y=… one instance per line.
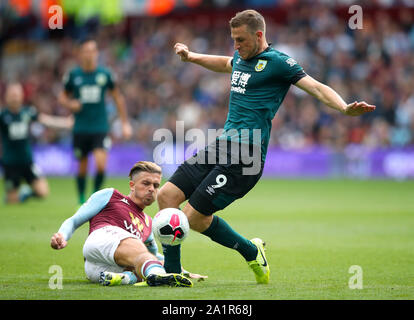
x=214, y=177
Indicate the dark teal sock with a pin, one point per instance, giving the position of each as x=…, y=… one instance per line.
x=81, y=185
x=99, y=178
x=172, y=258
x=221, y=232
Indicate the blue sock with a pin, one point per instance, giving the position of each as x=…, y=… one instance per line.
x=152, y=267
x=25, y=193
x=130, y=278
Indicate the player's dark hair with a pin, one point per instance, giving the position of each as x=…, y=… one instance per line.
x=251, y=18
x=84, y=40
x=146, y=166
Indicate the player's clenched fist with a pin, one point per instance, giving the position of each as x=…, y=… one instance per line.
x=182, y=50
x=57, y=241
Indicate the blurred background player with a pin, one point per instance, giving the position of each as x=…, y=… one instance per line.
x=85, y=88
x=17, y=159
x=120, y=248
x=261, y=78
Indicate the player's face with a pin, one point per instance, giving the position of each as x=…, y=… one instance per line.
x=14, y=97
x=89, y=54
x=245, y=42
x=144, y=188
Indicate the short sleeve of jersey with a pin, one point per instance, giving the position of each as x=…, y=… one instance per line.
x=289, y=70
x=67, y=81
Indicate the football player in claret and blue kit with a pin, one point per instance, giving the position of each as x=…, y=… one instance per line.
x=120, y=248
x=260, y=79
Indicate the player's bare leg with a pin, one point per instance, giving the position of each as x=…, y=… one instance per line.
x=12, y=196
x=170, y=196
x=101, y=157
x=40, y=187
x=19, y=195
x=132, y=254
x=83, y=166
x=198, y=221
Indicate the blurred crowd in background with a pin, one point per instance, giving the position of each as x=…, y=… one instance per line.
x=374, y=64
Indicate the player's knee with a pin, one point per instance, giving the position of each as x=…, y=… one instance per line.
x=197, y=221
x=131, y=252
x=169, y=196
x=41, y=188
x=100, y=159
x=164, y=199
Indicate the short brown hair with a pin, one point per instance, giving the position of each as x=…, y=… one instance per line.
x=146, y=166
x=251, y=18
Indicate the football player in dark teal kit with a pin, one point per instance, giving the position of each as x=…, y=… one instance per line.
x=260, y=78
x=17, y=156
x=85, y=88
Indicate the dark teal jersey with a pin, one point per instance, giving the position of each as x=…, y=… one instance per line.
x=258, y=87
x=90, y=89
x=15, y=135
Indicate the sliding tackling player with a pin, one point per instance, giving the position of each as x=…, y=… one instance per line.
x=120, y=248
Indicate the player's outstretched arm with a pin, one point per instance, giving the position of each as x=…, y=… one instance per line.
x=122, y=111
x=87, y=211
x=331, y=98
x=211, y=62
x=56, y=122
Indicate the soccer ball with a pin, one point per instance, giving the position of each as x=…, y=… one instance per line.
x=170, y=226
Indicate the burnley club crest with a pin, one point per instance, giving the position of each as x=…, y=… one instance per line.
x=261, y=64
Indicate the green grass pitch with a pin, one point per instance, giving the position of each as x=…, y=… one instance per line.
x=315, y=231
